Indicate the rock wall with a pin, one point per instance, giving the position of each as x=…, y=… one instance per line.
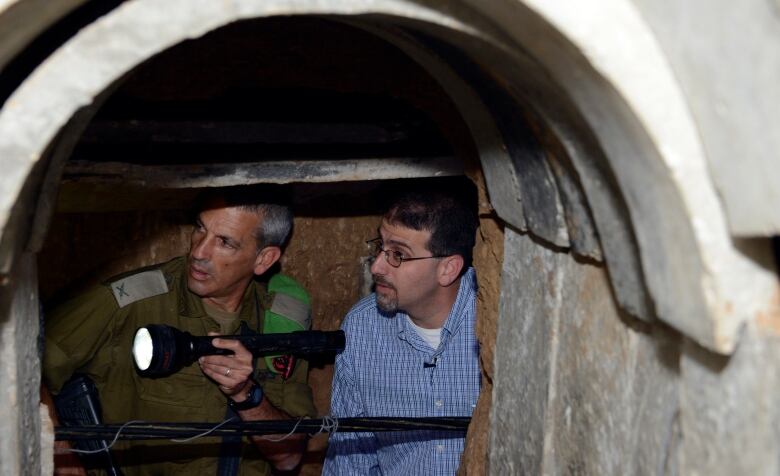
x=582, y=389
x=579, y=389
x=730, y=416
x=20, y=446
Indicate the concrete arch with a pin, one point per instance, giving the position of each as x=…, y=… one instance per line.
x=592, y=70
x=625, y=95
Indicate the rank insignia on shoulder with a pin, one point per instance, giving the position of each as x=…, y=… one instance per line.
x=139, y=286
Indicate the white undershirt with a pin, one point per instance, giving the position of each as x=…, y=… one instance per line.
x=431, y=336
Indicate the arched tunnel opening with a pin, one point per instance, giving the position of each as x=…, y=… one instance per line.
x=597, y=289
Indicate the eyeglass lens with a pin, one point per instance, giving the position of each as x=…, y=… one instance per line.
x=391, y=256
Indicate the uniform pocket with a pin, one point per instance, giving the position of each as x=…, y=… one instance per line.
x=185, y=388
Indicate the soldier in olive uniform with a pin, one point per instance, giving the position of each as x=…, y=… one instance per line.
x=210, y=291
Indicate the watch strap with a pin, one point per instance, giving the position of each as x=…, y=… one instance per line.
x=253, y=399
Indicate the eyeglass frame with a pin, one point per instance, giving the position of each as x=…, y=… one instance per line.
x=401, y=260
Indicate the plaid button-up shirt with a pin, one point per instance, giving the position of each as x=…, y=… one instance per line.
x=383, y=372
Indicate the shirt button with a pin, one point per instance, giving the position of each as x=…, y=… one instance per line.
x=439, y=403
x=439, y=448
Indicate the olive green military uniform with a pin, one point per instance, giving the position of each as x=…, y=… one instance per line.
x=93, y=334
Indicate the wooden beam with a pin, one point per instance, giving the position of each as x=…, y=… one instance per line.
x=287, y=171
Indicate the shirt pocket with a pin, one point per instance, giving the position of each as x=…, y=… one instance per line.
x=184, y=390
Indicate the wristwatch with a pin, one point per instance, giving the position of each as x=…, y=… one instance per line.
x=253, y=399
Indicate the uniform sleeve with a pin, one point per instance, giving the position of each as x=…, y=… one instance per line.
x=74, y=334
x=348, y=453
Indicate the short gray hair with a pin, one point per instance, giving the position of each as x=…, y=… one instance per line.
x=276, y=223
x=269, y=202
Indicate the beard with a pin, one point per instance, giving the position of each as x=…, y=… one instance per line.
x=388, y=302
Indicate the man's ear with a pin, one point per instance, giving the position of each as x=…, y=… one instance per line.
x=266, y=258
x=449, y=269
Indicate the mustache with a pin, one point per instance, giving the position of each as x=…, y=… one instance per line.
x=378, y=279
x=201, y=265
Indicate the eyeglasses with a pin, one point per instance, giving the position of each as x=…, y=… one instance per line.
x=393, y=257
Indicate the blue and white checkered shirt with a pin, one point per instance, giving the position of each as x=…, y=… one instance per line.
x=381, y=372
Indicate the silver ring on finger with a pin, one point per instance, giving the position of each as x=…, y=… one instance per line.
x=227, y=371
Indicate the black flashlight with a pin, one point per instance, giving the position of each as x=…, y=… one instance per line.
x=160, y=350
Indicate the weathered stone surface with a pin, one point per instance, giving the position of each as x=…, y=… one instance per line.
x=605, y=59
x=524, y=361
x=729, y=405
x=726, y=56
x=290, y=171
x=537, y=187
x=582, y=233
x=578, y=388
x=20, y=445
x=35, y=15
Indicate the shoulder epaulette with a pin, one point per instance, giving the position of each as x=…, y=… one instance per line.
x=135, y=287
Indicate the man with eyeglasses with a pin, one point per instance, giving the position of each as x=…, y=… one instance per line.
x=411, y=348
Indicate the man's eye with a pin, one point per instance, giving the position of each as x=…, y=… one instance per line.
x=226, y=244
x=398, y=255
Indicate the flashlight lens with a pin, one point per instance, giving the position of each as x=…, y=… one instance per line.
x=142, y=348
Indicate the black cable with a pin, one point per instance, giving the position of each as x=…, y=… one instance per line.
x=167, y=430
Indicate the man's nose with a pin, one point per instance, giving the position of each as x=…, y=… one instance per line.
x=201, y=249
x=380, y=263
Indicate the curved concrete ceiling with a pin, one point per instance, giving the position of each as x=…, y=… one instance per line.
x=592, y=70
